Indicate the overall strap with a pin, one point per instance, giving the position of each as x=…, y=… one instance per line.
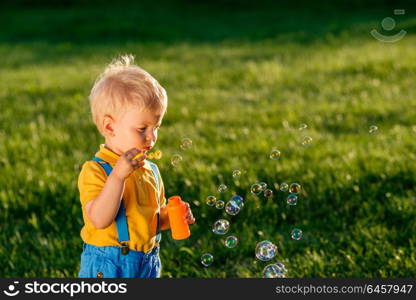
x=155, y=172
x=121, y=220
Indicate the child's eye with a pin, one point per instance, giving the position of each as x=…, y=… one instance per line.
x=141, y=129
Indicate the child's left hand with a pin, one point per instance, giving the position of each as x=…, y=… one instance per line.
x=189, y=216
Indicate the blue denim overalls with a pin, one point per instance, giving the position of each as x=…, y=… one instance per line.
x=120, y=261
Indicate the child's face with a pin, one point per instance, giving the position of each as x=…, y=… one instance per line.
x=134, y=129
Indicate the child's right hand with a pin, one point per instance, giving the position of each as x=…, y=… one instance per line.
x=126, y=164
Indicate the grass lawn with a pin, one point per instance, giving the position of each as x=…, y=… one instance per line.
x=241, y=78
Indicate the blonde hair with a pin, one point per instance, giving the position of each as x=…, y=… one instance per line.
x=121, y=85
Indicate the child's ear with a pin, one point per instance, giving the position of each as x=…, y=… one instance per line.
x=108, y=125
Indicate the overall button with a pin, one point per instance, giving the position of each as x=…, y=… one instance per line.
x=125, y=248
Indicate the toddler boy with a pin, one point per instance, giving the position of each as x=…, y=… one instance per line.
x=122, y=193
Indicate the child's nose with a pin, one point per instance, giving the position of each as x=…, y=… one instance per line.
x=150, y=137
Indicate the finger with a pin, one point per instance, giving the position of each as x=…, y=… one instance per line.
x=139, y=158
x=188, y=208
x=190, y=216
x=128, y=155
x=132, y=152
x=137, y=167
x=137, y=164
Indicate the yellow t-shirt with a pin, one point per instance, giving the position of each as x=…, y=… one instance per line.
x=139, y=198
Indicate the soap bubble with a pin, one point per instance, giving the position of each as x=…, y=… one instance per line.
x=281, y=266
x=221, y=226
x=256, y=189
x=274, y=271
x=268, y=193
x=373, y=129
x=186, y=144
x=207, y=259
x=157, y=154
x=236, y=174
x=232, y=208
x=219, y=204
x=284, y=187
x=231, y=241
x=296, y=234
x=176, y=159
x=263, y=186
x=295, y=188
x=303, y=126
x=276, y=186
x=266, y=250
x=306, y=141
x=275, y=154
x=238, y=200
x=222, y=188
x=211, y=200
x=292, y=199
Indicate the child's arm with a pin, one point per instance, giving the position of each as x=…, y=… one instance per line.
x=102, y=210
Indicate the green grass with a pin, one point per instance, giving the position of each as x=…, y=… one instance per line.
x=239, y=84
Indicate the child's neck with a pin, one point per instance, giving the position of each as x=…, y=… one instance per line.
x=107, y=146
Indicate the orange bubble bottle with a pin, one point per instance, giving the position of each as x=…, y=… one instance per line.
x=177, y=218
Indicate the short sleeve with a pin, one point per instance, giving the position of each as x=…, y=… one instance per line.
x=91, y=181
